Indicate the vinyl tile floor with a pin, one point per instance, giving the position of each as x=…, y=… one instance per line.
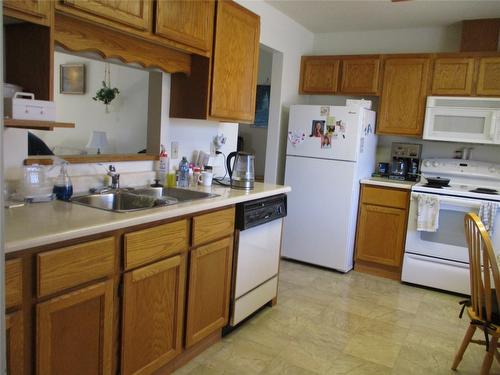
x=326, y=322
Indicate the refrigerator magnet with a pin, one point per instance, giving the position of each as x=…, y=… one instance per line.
x=326, y=141
x=324, y=111
x=317, y=128
x=296, y=138
x=330, y=120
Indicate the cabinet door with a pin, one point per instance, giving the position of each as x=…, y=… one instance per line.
x=381, y=234
x=75, y=332
x=209, y=285
x=187, y=22
x=137, y=14
x=153, y=307
x=360, y=76
x=453, y=76
x=38, y=11
x=404, y=90
x=235, y=63
x=319, y=75
x=488, y=82
x=15, y=343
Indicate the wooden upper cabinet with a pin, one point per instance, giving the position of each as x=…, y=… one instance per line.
x=209, y=287
x=404, y=90
x=235, y=63
x=319, y=75
x=488, y=82
x=36, y=11
x=137, y=14
x=153, y=309
x=75, y=332
x=360, y=75
x=453, y=76
x=187, y=22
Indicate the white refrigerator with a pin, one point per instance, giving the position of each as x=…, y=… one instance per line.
x=329, y=149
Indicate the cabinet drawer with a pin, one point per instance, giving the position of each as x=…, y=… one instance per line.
x=147, y=245
x=214, y=225
x=73, y=265
x=13, y=283
x=384, y=197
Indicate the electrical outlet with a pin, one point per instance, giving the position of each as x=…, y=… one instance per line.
x=174, y=150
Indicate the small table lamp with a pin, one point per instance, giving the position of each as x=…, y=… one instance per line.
x=98, y=140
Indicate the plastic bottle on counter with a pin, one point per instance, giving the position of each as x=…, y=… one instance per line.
x=183, y=173
x=63, y=187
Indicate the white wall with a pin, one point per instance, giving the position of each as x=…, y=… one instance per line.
x=125, y=125
x=428, y=39
x=290, y=41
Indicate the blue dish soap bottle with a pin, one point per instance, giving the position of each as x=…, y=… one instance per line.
x=63, y=187
x=184, y=173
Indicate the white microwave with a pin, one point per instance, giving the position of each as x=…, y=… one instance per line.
x=462, y=119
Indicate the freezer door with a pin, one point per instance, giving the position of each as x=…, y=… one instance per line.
x=322, y=207
x=337, y=136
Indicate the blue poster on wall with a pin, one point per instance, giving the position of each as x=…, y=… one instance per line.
x=262, y=106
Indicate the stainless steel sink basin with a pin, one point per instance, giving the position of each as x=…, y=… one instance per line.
x=120, y=201
x=181, y=195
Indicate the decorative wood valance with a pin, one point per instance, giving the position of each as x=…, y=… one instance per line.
x=79, y=36
x=80, y=159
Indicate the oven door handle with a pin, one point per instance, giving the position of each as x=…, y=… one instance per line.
x=459, y=202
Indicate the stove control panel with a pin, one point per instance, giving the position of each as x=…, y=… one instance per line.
x=463, y=168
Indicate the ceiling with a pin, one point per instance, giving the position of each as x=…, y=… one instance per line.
x=323, y=16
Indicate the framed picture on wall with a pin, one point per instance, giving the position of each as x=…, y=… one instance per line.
x=262, y=106
x=72, y=79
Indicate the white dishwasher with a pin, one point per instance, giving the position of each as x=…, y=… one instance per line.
x=258, y=244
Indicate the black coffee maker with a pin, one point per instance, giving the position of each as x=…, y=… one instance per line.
x=405, y=164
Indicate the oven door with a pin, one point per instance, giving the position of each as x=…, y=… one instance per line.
x=448, y=242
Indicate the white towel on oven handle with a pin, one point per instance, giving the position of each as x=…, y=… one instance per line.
x=487, y=213
x=427, y=212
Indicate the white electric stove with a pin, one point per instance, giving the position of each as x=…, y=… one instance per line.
x=440, y=259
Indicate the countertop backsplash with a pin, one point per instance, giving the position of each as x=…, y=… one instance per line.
x=436, y=149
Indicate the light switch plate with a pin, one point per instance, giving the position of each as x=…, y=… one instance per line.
x=174, y=150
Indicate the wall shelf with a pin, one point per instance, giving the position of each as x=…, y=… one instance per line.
x=101, y=158
x=35, y=124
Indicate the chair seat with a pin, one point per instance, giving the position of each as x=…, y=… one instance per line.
x=495, y=313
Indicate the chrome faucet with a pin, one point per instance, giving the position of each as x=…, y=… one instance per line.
x=115, y=177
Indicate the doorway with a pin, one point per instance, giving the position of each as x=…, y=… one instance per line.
x=252, y=138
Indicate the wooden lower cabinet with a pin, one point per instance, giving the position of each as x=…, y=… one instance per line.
x=381, y=231
x=153, y=309
x=14, y=326
x=75, y=332
x=209, y=287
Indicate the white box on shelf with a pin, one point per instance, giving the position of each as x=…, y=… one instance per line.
x=359, y=103
x=23, y=106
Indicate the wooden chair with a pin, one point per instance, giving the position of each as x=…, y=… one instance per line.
x=483, y=307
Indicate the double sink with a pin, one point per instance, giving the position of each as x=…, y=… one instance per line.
x=127, y=200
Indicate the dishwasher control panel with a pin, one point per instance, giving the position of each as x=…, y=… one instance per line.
x=260, y=211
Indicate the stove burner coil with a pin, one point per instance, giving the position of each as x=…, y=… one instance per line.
x=484, y=191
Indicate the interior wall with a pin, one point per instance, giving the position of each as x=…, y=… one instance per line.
x=125, y=125
x=255, y=138
x=426, y=39
x=290, y=41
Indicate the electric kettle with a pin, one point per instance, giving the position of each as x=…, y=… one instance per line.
x=242, y=172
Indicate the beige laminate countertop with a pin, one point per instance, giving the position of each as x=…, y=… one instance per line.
x=45, y=223
x=384, y=181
